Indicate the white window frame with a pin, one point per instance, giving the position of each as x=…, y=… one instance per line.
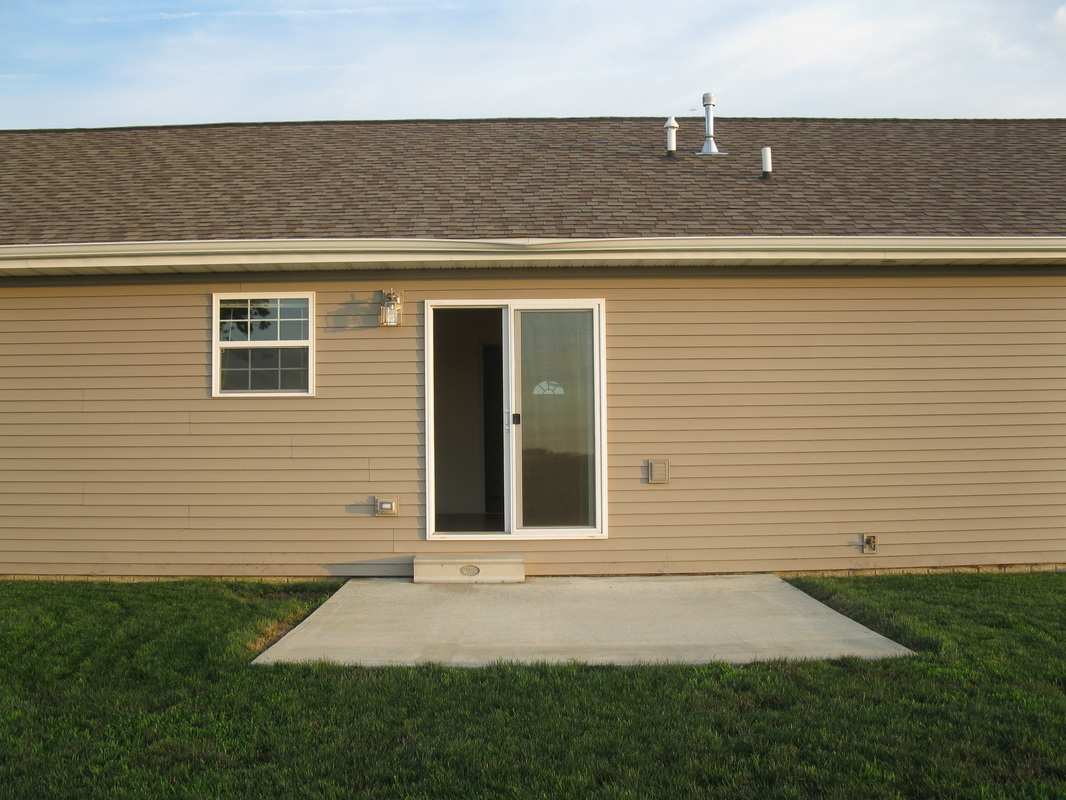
x=509, y=307
x=217, y=346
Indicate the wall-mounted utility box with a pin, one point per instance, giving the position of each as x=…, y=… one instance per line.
x=386, y=507
x=470, y=569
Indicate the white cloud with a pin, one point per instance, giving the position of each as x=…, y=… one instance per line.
x=237, y=13
x=1060, y=19
x=322, y=60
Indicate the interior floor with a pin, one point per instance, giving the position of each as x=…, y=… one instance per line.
x=470, y=523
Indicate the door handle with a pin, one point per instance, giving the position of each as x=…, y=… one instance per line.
x=516, y=419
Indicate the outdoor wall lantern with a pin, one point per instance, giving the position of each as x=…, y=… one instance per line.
x=391, y=309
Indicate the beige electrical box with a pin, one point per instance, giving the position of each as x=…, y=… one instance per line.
x=658, y=470
x=385, y=507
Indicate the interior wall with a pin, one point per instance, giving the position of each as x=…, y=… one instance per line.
x=460, y=336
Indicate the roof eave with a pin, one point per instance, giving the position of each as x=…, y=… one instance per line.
x=283, y=255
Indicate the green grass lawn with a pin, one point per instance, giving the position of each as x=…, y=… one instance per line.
x=146, y=690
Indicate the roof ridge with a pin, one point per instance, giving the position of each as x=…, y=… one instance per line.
x=467, y=120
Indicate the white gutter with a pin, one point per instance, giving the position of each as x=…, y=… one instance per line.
x=117, y=258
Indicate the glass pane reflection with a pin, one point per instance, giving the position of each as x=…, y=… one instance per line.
x=265, y=369
x=558, y=427
x=264, y=320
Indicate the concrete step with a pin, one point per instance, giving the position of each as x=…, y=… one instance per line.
x=470, y=569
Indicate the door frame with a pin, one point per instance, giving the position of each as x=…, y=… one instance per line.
x=508, y=308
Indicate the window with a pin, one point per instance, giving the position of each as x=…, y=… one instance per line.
x=263, y=345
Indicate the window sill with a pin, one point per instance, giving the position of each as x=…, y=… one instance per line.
x=495, y=536
x=263, y=394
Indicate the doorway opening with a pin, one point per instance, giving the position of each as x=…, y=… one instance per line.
x=468, y=437
x=515, y=419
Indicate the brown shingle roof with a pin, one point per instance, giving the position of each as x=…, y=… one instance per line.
x=540, y=178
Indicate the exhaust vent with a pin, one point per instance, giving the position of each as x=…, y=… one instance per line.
x=671, y=137
x=709, y=147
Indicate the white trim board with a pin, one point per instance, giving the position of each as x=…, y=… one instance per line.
x=122, y=258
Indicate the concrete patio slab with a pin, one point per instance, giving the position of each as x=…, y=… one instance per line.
x=628, y=620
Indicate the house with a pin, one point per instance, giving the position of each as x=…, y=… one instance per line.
x=609, y=360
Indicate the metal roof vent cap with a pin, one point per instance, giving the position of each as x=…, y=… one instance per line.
x=709, y=147
x=671, y=137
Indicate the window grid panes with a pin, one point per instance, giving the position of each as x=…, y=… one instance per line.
x=263, y=320
x=263, y=345
x=267, y=369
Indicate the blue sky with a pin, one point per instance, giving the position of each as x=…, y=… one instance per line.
x=145, y=62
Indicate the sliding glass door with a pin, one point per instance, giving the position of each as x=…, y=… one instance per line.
x=516, y=409
x=555, y=380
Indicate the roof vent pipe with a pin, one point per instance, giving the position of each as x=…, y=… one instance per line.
x=767, y=164
x=671, y=137
x=709, y=147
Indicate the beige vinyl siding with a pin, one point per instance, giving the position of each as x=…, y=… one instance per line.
x=799, y=411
